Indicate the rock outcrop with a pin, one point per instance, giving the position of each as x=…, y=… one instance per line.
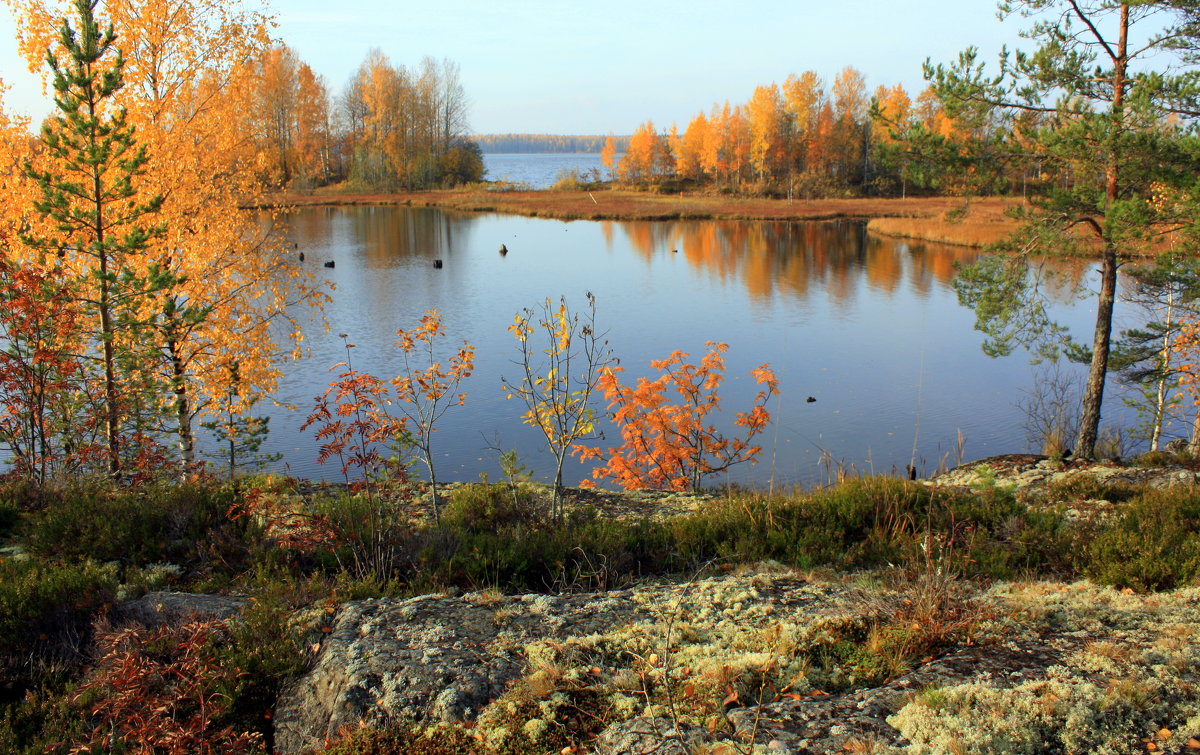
x=1028, y=472
x=1070, y=667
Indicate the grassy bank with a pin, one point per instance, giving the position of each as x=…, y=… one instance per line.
x=942, y=219
x=294, y=554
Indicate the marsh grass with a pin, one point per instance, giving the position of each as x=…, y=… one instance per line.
x=973, y=233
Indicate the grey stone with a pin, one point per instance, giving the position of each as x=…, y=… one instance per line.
x=649, y=736
x=158, y=608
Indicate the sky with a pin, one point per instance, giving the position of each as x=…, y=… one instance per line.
x=573, y=67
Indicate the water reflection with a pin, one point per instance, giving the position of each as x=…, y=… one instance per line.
x=383, y=237
x=778, y=258
x=869, y=325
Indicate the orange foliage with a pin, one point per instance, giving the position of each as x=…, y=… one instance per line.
x=156, y=693
x=673, y=446
x=353, y=422
x=189, y=93
x=426, y=390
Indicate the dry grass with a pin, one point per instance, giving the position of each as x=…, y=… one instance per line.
x=974, y=232
x=920, y=217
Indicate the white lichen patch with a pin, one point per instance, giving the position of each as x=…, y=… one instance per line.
x=1128, y=675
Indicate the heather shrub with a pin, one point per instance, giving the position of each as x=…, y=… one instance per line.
x=151, y=524
x=1153, y=545
x=480, y=507
x=45, y=610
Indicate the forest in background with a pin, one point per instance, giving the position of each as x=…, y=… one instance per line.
x=545, y=143
x=808, y=139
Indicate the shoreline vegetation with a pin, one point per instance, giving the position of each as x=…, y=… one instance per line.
x=973, y=222
x=872, y=610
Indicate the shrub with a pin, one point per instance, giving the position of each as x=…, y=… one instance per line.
x=45, y=611
x=480, y=507
x=1154, y=545
x=152, y=524
x=266, y=648
x=157, y=690
x=1087, y=487
x=444, y=740
x=10, y=514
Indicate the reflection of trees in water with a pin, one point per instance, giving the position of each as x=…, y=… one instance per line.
x=387, y=234
x=417, y=232
x=790, y=258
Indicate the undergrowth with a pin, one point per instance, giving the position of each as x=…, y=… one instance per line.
x=297, y=556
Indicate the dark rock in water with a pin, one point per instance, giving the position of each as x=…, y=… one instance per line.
x=301, y=256
x=437, y=264
x=330, y=263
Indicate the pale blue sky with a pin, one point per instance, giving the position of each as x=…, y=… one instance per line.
x=573, y=67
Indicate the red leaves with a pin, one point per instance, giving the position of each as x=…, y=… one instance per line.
x=354, y=422
x=671, y=445
x=156, y=691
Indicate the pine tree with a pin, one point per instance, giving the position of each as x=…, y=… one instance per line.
x=1115, y=130
x=99, y=223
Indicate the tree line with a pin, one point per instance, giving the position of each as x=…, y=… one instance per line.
x=807, y=139
x=392, y=127
x=546, y=143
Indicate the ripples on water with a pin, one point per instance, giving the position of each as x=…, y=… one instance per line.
x=868, y=326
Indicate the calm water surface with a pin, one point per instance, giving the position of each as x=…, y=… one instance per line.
x=867, y=326
x=540, y=171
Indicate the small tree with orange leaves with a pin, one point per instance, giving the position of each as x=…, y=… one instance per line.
x=353, y=423
x=673, y=446
x=426, y=390
x=40, y=417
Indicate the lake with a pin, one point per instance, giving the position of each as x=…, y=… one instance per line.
x=540, y=171
x=867, y=326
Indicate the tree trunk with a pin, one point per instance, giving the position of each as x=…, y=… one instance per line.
x=183, y=413
x=1089, y=422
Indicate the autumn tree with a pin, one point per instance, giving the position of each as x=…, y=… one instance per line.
x=608, y=155
x=689, y=154
x=803, y=97
x=648, y=156
x=404, y=121
x=100, y=223
x=1106, y=76
x=354, y=424
x=561, y=357
x=770, y=132
x=190, y=91
x=849, y=142
x=891, y=121
x=40, y=372
x=676, y=445
x=425, y=389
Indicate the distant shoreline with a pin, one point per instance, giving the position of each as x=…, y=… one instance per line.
x=924, y=218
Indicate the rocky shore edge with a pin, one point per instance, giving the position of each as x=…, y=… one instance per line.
x=747, y=660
